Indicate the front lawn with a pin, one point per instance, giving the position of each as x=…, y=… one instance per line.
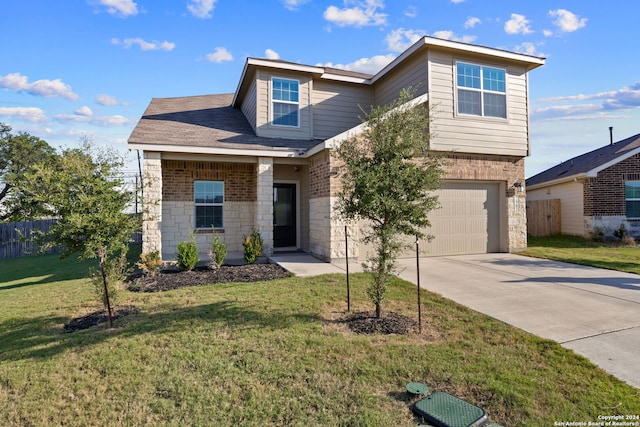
x=271, y=353
x=577, y=250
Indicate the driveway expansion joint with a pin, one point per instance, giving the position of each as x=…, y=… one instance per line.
x=600, y=334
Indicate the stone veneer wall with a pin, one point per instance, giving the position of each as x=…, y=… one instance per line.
x=152, y=203
x=178, y=203
x=506, y=169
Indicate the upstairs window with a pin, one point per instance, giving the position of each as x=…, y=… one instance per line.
x=209, y=203
x=632, y=198
x=481, y=90
x=285, y=101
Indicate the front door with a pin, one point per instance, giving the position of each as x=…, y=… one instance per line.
x=284, y=215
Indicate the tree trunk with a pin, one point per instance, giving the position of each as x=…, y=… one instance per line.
x=102, y=256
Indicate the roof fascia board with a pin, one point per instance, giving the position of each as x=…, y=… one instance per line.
x=531, y=61
x=286, y=152
x=348, y=79
x=594, y=172
x=557, y=181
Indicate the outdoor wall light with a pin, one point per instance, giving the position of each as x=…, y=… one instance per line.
x=517, y=184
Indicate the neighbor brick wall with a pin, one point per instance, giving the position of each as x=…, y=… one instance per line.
x=178, y=177
x=604, y=195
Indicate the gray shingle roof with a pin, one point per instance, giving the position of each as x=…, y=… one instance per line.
x=204, y=121
x=587, y=162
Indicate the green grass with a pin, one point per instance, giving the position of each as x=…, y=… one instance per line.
x=270, y=353
x=577, y=250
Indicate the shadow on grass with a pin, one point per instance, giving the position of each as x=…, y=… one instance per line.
x=43, y=269
x=43, y=337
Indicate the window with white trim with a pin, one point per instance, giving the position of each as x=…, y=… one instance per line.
x=285, y=100
x=209, y=204
x=632, y=198
x=481, y=90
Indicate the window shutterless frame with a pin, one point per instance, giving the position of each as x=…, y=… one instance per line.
x=632, y=199
x=480, y=90
x=285, y=102
x=208, y=199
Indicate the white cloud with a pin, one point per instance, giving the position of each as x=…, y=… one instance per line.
x=84, y=111
x=108, y=100
x=400, y=40
x=84, y=116
x=220, y=54
x=625, y=98
x=143, y=44
x=411, y=12
x=518, y=24
x=450, y=35
x=294, y=4
x=30, y=114
x=364, y=12
x=364, y=65
x=16, y=82
x=567, y=21
x=457, y=1
x=547, y=33
x=120, y=7
x=471, y=22
x=201, y=8
x=528, y=48
x=271, y=54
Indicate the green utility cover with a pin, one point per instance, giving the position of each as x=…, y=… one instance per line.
x=417, y=388
x=444, y=410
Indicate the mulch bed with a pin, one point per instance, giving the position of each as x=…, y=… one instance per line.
x=365, y=322
x=97, y=317
x=174, y=279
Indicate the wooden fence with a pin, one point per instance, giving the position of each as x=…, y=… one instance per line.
x=543, y=217
x=13, y=245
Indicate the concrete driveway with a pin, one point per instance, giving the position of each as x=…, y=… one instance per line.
x=592, y=311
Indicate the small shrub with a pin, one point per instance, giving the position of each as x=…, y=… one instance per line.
x=597, y=234
x=218, y=252
x=628, y=241
x=187, y=255
x=252, y=246
x=150, y=263
x=621, y=232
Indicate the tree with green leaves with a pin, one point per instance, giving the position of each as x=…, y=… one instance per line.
x=85, y=189
x=388, y=174
x=18, y=153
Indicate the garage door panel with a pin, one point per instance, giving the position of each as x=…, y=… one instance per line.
x=467, y=222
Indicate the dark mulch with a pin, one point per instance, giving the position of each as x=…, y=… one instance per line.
x=97, y=317
x=365, y=322
x=174, y=279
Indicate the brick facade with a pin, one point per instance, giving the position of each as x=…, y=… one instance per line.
x=604, y=195
x=178, y=176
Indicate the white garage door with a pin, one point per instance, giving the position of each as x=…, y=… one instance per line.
x=467, y=222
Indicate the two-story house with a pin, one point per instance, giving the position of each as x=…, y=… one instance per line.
x=261, y=158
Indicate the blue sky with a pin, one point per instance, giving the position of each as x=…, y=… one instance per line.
x=70, y=68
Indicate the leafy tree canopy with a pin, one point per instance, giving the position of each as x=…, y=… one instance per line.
x=18, y=154
x=388, y=174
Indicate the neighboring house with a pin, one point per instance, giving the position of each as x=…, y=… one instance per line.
x=260, y=158
x=598, y=191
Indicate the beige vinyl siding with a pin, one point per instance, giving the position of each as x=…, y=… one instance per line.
x=571, y=204
x=263, y=109
x=470, y=134
x=336, y=107
x=249, y=105
x=413, y=73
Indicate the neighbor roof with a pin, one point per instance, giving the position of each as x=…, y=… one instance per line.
x=589, y=164
x=207, y=121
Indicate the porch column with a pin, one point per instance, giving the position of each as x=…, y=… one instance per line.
x=152, y=203
x=264, y=203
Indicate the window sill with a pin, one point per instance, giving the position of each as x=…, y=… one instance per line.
x=208, y=231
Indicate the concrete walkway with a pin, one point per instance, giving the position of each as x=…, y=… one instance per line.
x=592, y=311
